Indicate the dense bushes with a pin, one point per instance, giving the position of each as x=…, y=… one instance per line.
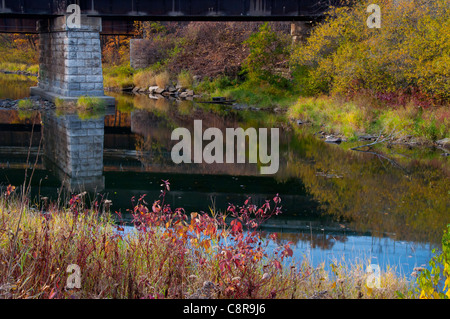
x=268, y=49
x=410, y=53
x=168, y=254
x=435, y=283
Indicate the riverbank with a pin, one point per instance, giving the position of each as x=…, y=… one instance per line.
x=171, y=255
x=363, y=118
x=19, y=68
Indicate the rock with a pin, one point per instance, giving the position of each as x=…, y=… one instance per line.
x=219, y=99
x=190, y=92
x=239, y=107
x=152, y=89
x=279, y=110
x=445, y=142
x=299, y=122
x=367, y=138
x=159, y=91
x=333, y=139
x=171, y=89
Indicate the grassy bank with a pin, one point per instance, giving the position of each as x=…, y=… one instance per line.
x=171, y=254
x=19, y=67
x=361, y=117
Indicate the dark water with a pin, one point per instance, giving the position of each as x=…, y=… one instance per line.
x=337, y=203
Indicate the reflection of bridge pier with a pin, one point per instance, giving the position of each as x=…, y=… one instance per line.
x=73, y=148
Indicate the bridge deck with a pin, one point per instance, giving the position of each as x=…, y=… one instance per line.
x=20, y=16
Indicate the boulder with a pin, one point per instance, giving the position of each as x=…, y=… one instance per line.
x=333, y=139
x=152, y=89
x=367, y=137
x=159, y=91
x=445, y=142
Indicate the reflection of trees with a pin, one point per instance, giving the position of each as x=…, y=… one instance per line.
x=373, y=195
x=152, y=138
x=153, y=123
x=316, y=240
x=16, y=86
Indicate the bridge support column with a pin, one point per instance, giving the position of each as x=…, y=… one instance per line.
x=70, y=62
x=300, y=31
x=142, y=54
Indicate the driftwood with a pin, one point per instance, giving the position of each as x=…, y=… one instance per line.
x=390, y=160
x=227, y=102
x=380, y=139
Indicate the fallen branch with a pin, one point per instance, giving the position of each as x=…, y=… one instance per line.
x=378, y=141
x=390, y=160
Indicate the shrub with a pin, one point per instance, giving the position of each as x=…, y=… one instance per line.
x=185, y=79
x=34, y=69
x=25, y=104
x=168, y=254
x=267, y=50
x=162, y=79
x=144, y=79
x=90, y=102
x=410, y=52
x=430, y=281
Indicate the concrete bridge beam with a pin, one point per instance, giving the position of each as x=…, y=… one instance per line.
x=70, y=60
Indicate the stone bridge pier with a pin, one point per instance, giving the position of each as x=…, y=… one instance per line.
x=300, y=31
x=70, y=59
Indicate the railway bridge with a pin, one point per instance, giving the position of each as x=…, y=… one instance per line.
x=69, y=31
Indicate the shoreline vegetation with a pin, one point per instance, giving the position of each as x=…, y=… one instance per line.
x=213, y=260
x=173, y=254
x=346, y=80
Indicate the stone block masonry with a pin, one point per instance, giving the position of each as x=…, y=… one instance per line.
x=74, y=148
x=300, y=31
x=70, y=60
x=142, y=53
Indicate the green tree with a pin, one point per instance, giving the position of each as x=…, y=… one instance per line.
x=268, y=50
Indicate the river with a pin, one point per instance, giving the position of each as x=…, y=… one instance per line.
x=337, y=204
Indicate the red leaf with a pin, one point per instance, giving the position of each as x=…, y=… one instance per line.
x=277, y=264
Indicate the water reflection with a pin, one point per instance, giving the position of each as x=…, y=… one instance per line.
x=13, y=86
x=73, y=149
x=336, y=202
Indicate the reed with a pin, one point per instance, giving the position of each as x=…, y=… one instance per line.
x=167, y=254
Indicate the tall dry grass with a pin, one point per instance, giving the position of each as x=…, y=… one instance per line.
x=168, y=254
x=162, y=79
